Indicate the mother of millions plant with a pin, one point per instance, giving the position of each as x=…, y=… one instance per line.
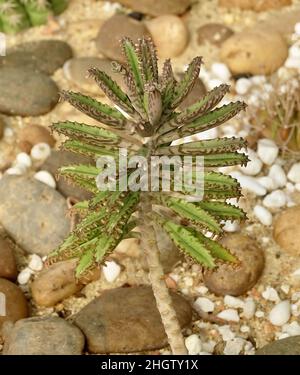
x=146, y=122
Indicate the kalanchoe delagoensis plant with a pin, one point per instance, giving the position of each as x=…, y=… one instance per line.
x=17, y=15
x=145, y=120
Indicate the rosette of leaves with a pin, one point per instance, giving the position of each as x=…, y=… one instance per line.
x=146, y=121
x=17, y=15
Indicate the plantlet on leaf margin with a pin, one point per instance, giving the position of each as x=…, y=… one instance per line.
x=145, y=118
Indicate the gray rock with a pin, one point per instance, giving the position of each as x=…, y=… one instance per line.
x=43, y=336
x=15, y=306
x=76, y=70
x=33, y=214
x=45, y=56
x=124, y=320
x=156, y=8
x=25, y=92
x=113, y=30
x=288, y=346
x=61, y=158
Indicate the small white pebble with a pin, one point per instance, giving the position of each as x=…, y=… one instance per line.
x=235, y=346
x=296, y=273
x=46, y=178
x=249, y=348
x=40, y=151
x=294, y=173
x=213, y=82
x=230, y=315
x=201, y=289
x=294, y=51
x=16, y=170
x=24, y=276
x=226, y=332
x=295, y=296
x=204, y=304
x=111, y=271
x=290, y=188
x=193, y=344
x=249, y=308
x=8, y=132
x=36, y=263
x=278, y=176
x=244, y=328
x=276, y=199
x=231, y=226
x=220, y=71
x=188, y=281
x=258, y=80
x=267, y=182
x=285, y=288
x=270, y=294
x=175, y=277
x=209, y=346
x=292, y=63
x=24, y=159
x=267, y=150
x=235, y=302
x=295, y=309
x=263, y=215
x=297, y=28
x=280, y=314
x=293, y=329
x=249, y=183
x=259, y=314
x=242, y=86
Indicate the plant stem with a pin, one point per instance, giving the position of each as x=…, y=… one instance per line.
x=156, y=274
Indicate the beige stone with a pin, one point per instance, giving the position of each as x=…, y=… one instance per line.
x=254, y=51
x=170, y=35
x=287, y=230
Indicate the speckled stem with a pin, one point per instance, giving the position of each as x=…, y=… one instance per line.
x=156, y=275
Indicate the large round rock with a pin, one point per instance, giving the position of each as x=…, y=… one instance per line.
x=13, y=304
x=287, y=346
x=25, y=92
x=287, y=230
x=124, y=320
x=33, y=214
x=44, y=336
x=237, y=279
x=113, y=30
x=254, y=51
x=45, y=56
x=61, y=158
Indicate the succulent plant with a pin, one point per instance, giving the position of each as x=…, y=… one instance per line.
x=17, y=15
x=145, y=120
x=278, y=117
